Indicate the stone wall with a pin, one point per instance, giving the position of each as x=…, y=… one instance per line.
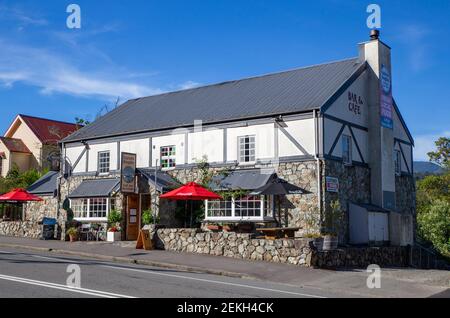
x=354, y=186
x=299, y=252
x=362, y=257
x=33, y=213
x=297, y=209
x=243, y=246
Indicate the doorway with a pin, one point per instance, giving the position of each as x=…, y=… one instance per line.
x=133, y=217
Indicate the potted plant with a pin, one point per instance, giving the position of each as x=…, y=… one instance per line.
x=114, y=234
x=149, y=218
x=332, y=222
x=73, y=234
x=114, y=231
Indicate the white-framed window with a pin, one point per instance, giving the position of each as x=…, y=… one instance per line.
x=85, y=209
x=245, y=208
x=104, y=158
x=247, y=149
x=347, y=150
x=168, y=157
x=397, y=162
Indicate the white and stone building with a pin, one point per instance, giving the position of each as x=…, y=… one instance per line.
x=332, y=129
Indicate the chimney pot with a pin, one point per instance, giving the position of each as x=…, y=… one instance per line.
x=374, y=34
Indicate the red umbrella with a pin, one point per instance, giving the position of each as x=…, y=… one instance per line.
x=19, y=195
x=192, y=192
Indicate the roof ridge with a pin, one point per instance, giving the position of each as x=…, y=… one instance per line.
x=53, y=120
x=248, y=78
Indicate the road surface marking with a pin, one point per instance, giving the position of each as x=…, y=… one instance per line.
x=214, y=281
x=175, y=276
x=85, y=291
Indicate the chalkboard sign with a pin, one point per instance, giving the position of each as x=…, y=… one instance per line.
x=144, y=241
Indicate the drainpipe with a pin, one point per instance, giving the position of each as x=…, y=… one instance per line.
x=58, y=182
x=316, y=156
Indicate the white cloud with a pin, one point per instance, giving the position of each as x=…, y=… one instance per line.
x=189, y=85
x=22, y=18
x=53, y=73
x=426, y=143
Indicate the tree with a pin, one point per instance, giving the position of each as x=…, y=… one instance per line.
x=433, y=201
x=434, y=225
x=442, y=154
x=16, y=179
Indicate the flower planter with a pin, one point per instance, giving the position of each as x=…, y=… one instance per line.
x=73, y=238
x=330, y=242
x=214, y=227
x=318, y=244
x=114, y=236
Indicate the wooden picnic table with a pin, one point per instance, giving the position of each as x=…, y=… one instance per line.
x=278, y=232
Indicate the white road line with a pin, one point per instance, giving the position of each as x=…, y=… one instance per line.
x=182, y=277
x=214, y=281
x=85, y=291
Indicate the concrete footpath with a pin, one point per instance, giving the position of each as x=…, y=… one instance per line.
x=395, y=282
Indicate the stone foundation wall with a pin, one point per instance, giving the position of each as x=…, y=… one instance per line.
x=354, y=186
x=362, y=257
x=243, y=246
x=299, y=252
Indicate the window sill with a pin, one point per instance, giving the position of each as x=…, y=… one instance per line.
x=239, y=220
x=91, y=220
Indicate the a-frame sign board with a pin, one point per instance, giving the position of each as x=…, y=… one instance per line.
x=144, y=241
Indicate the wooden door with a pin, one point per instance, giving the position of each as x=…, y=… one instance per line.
x=133, y=217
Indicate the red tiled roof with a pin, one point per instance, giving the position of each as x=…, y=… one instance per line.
x=49, y=131
x=15, y=145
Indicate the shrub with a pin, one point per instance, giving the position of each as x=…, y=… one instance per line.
x=434, y=225
x=148, y=217
x=114, y=217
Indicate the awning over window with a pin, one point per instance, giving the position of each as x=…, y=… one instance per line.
x=164, y=182
x=96, y=188
x=46, y=185
x=242, y=180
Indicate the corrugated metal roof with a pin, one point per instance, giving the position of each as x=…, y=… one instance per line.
x=279, y=93
x=163, y=182
x=95, y=188
x=15, y=145
x=49, y=131
x=45, y=185
x=241, y=180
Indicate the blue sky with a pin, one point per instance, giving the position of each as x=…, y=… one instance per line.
x=141, y=47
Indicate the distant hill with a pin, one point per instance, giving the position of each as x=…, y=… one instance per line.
x=425, y=167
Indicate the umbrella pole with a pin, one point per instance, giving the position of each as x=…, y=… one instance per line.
x=185, y=214
x=192, y=208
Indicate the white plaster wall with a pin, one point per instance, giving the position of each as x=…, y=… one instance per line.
x=72, y=155
x=341, y=108
x=399, y=131
x=331, y=131
x=303, y=133
x=93, y=155
x=206, y=143
x=172, y=140
x=407, y=152
x=265, y=140
x=362, y=137
x=140, y=147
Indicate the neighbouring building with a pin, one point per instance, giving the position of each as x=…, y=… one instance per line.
x=333, y=129
x=32, y=143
